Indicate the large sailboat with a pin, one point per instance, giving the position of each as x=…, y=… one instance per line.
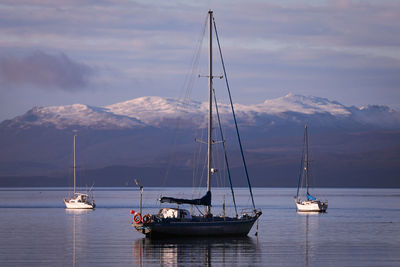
x=178, y=222
x=310, y=203
x=79, y=200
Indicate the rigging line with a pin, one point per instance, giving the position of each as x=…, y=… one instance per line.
x=224, y=148
x=188, y=84
x=307, y=158
x=197, y=163
x=234, y=117
x=203, y=172
x=220, y=159
x=311, y=177
x=221, y=175
x=199, y=210
x=196, y=59
x=200, y=162
x=301, y=171
x=194, y=63
x=195, y=168
x=216, y=158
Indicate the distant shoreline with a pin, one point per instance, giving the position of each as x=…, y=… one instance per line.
x=134, y=188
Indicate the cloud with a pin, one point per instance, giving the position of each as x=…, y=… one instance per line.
x=345, y=50
x=45, y=71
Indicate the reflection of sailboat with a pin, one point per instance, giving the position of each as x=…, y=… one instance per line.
x=74, y=244
x=180, y=222
x=79, y=200
x=75, y=213
x=240, y=251
x=311, y=203
x=306, y=241
x=310, y=224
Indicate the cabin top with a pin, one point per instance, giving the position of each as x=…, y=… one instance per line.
x=174, y=213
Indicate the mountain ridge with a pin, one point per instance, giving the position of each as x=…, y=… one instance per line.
x=157, y=111
x=350, y=146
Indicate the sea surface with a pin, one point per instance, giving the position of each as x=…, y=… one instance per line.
x=360, y=228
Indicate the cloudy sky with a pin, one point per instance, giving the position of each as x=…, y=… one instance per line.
x=100, y=52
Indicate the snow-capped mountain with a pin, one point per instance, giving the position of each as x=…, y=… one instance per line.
x=351, y=146
x=157, y=111
x=162, y=112
x=153, y=110
x=302, y=104
x=74, y=115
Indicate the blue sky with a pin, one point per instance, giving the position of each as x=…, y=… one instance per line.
x=102, y=52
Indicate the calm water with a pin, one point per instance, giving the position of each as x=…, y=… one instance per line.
x=361, y=228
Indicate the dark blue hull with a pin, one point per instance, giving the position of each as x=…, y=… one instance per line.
x=204, y=227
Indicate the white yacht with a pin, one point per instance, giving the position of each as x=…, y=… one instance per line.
x=79, y=200
x=311, y=203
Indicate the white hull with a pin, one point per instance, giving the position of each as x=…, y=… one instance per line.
x=311, y=206
x=80, y=201
x=78, y=205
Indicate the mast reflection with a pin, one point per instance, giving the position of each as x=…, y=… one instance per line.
x=77, y=223
x=310, y=227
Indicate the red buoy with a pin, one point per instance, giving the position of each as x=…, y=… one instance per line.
x=132, y=212
x=146, y=219
x=137, y=218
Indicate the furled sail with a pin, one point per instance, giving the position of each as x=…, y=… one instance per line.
x=205, y=200
x=310, y=197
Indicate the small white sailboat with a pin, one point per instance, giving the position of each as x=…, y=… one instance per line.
x=311, y=203
x=79, y=200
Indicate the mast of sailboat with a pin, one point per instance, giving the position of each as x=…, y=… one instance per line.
x=210, y=77
x=74, y=164
x=306, y=157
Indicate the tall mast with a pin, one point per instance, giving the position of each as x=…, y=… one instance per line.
x=74, y=164
x=210, y=77
x=306, y=157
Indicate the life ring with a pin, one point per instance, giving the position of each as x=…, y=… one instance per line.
x=137, y=218
x=146, y=218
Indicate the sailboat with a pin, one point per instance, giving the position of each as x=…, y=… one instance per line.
x=311, y=203
x=79, y=200
x=178, y=222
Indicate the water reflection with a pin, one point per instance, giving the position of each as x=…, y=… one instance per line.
x=309, y=227
x=196, y=252
x=77, y=222
x=307, y=240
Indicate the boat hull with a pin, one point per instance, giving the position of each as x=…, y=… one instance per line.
x=234, y=227
x=311, y=206
x=81, y=205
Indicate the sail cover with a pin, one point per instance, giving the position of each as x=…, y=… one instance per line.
x=310, y=197
x=205, y=200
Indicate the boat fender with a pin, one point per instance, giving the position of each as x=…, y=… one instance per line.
x=137, y=218
x=146, y=218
